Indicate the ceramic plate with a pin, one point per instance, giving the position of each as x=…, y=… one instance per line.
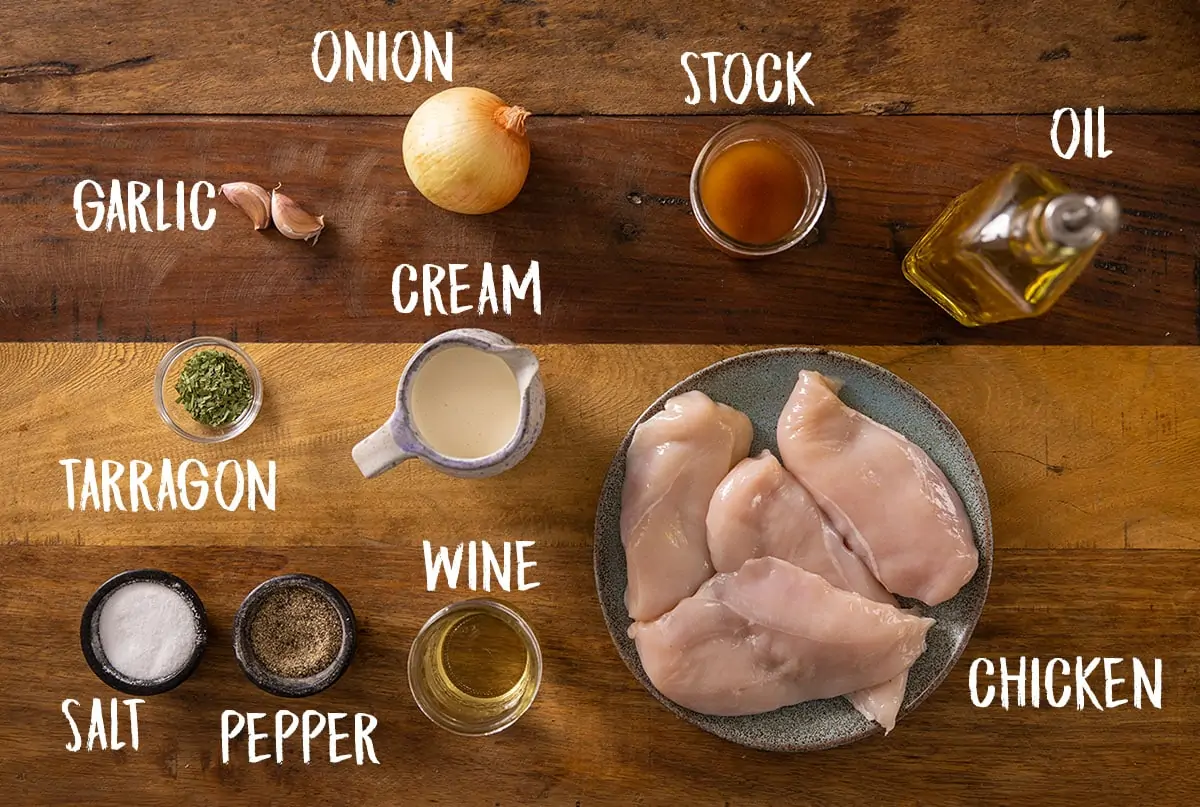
x=759, y=384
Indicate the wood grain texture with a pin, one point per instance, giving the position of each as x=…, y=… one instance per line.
x=605, y=213
x=1079, y=447
x=594, y=737
x=576, y=57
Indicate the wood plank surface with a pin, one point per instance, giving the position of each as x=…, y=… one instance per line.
x=1085, y=422
x=594, y=737
x=1079, y=447
x=605, y=214
x=574, y=57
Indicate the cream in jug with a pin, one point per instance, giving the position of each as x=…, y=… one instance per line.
x=470, y=403
x=465, y=403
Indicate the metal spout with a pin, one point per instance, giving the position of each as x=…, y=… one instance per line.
x=1079, y=221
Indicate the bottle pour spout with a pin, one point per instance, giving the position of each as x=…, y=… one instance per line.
x=1079, y=221
x=1108, y=214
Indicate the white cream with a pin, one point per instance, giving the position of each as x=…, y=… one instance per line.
x=465, y=403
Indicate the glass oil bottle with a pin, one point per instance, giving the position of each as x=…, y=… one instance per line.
x=1009, y=248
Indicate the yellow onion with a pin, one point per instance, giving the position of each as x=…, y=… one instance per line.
x=466, y=150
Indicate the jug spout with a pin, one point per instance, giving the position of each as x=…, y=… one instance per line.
x=380, y=451
x=523, y=364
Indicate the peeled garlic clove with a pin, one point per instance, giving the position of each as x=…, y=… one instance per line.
x=294, y=221
x=251, y=200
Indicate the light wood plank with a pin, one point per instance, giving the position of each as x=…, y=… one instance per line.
x=1080, y=447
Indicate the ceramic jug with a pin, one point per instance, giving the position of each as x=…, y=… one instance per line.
x=398, y=440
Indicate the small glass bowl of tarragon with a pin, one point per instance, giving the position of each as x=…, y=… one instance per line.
x=207, y=389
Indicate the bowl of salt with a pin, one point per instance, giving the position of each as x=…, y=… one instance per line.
x=143, y=632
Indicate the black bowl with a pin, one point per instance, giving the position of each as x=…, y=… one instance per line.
x=280, y=685
x=93, y=651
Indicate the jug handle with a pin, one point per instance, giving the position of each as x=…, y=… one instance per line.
x=379, y=452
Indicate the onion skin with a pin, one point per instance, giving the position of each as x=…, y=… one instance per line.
x=466, y=150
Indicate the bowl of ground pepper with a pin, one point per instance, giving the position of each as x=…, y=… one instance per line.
x=207, y=389
x=294, y=635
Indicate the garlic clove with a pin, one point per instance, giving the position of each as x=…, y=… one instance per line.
x=294, y=221
x=251, y=200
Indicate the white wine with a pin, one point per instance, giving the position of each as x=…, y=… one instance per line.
x=481, y=655
x=475, y=667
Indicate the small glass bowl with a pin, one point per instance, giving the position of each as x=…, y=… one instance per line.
x=175, y=416
x=442, y=701
x=796, y=147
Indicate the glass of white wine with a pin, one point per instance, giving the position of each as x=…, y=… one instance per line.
x=475, y=667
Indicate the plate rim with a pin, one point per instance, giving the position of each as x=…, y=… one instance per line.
x=985, y=544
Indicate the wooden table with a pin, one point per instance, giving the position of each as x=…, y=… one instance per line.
x=1085, y=423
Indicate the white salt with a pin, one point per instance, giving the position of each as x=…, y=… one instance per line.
x=147, y=631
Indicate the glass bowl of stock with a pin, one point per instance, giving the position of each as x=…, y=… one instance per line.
x=193, y=370
x=757, y=188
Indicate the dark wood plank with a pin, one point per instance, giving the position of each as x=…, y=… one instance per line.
x=605, y=213
x=594, y=736
x=577, y=57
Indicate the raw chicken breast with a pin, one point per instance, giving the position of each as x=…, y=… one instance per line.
x=674, y=463
x=881, y=703
x=760, y=510
x=891, y=502
x=770, y=635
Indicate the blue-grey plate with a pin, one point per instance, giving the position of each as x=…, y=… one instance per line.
x=759, y=384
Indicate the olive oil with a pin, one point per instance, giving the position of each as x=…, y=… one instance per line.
x=475, y=667
x=754, y=191
x=1010, y=247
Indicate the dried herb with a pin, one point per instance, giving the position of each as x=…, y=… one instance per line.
x=214, y=388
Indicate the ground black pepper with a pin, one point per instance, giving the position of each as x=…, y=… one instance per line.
x=295, y=632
